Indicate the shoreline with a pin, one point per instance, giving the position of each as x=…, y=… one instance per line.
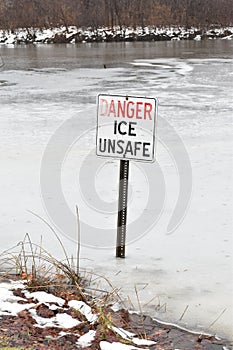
x=44, y=320
x=74, y=35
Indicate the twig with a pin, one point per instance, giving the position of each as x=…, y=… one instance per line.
x=158, y=308
x=2, y=63
x=79, y=241
x=33, y=256
x=40, y=250
x=140, y=309
x=54, y=232
x=130, y=302
x=183, y=312
x=148, y=302
x=207, y=329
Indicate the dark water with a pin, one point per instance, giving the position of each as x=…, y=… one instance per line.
x=110, y=54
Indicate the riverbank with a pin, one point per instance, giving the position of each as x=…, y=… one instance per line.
x=35, y=318
x=73, y=34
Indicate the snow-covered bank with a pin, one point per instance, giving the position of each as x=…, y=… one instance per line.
x=76, y=35
x=49, y=322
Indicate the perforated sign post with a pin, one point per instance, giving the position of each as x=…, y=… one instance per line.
x=125, y=131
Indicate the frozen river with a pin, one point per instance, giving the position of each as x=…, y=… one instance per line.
x=179, y=238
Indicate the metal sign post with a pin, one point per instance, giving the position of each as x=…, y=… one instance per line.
x=125, y=131
x=122, y=208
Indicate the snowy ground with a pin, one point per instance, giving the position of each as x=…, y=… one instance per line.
x=11, y=305
x=63, y=321
x=190, y=267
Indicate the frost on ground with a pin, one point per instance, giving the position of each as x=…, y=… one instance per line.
x=56, y=323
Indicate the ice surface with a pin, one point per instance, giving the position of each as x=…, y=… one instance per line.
x=193, y=82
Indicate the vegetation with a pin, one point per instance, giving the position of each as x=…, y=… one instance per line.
x=110, y=13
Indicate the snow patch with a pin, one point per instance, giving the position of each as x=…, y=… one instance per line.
x=11, y=309
x=116, y=307
x=84, y=309
x=104, y=345
x=142, y=342
x=59, y=321
x=6, y=293
x=123, y=333
x=131, y=337
x=86, y=339
x=44, y=297
x=8, y=301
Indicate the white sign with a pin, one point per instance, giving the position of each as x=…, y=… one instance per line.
x=126, y=127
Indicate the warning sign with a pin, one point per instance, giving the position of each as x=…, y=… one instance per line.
x=126, y=127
